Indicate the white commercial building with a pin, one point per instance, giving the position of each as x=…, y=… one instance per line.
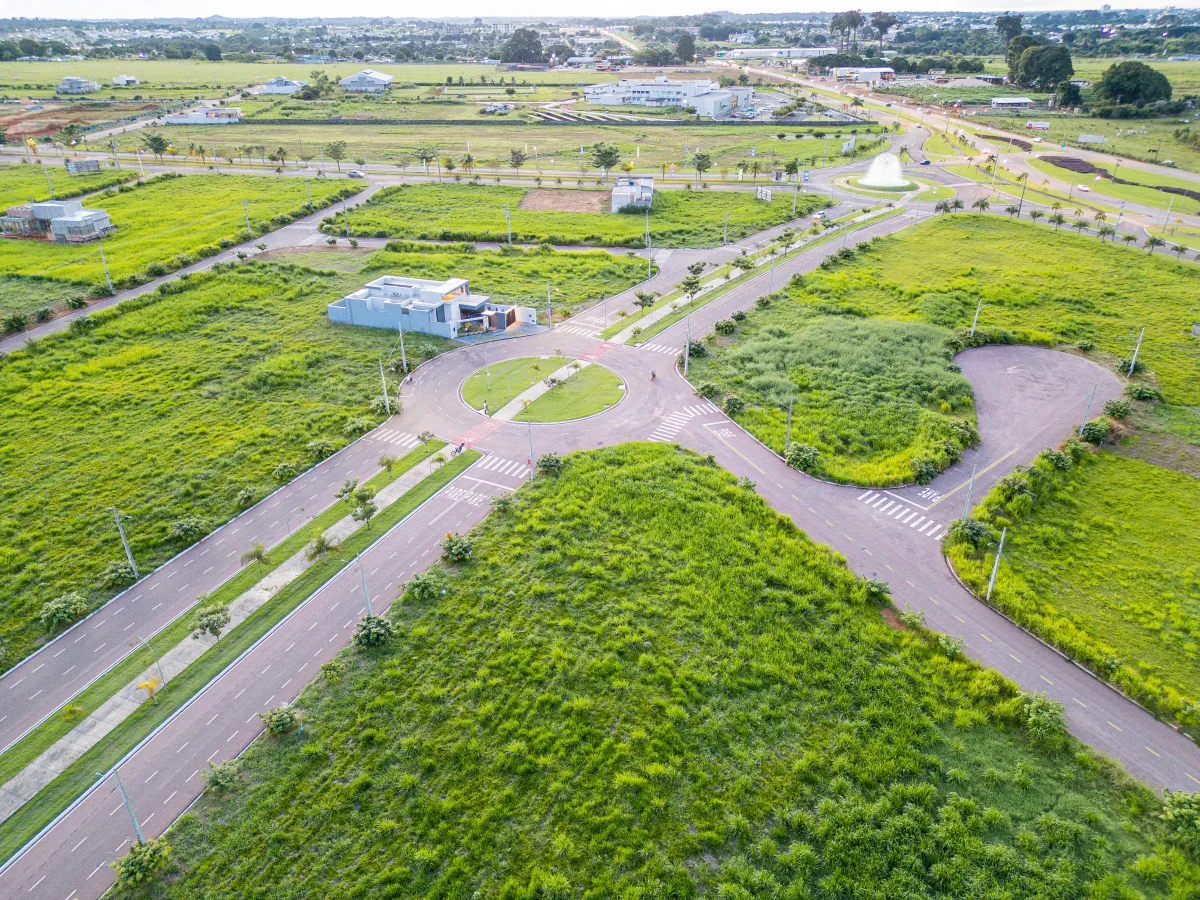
x=706, y=97
x=204, y=115
x=864, y=75
x=776, y=52
x=281, y=85
x=368, y=81
x=1011, y=103
x=72, y=84
x=445, y=308
x=126, y=80
x=64, y=221
x=632, y=191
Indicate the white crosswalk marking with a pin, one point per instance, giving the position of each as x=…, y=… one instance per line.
x=400, y=438
x=675, y=422
x=498, y=465
x=576, y=329
x=662, y=348
x=904, y=515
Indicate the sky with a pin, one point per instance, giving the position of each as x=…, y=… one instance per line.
x=537, y=8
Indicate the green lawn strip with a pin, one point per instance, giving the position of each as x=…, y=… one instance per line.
x=1099, y=560
x=591, y=390
x=508, y=379
x=88, y=700
x=1181, y=235
x=1134, y=193
x=1008, y=187
x=667, y=321
x=26, y=183
x=939, y=145
x=50, y=801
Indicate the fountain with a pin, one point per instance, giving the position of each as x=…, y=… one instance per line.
x=885, y=174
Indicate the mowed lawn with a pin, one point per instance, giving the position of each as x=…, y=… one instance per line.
x=33, y=183
x=586, y=392
x=170, y=221
x=476, y=212
x=176, y=403
x=1042, y=286
x=645, y=677
x=1103, y=563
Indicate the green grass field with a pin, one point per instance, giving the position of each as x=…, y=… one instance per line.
x=27, y=295
x=1100, y=560
x=500, y=383
x=1042, y=286
x=1132, y=193
x=476, y=212
x=175, y=403
x=28, y=183
x=615, y=698
x=589, y=391
x=170, y=222
x=873, y=396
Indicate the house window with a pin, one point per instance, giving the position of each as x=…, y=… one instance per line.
x=441, y=312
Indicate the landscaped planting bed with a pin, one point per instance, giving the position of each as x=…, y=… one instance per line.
x=646, y=679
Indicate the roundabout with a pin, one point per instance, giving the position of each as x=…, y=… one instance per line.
x=542, y=389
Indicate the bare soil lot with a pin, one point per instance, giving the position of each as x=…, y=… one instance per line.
x=566, y=201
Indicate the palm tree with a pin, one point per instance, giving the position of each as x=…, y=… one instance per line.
x=281, y=154
x=1104, y=231
x=1011, y=210
x=1129, y=238
x=942, y=207
x=256, y=554
x=1100, y=218
x=981, y=204
x=1080, y=224
x=1057, y=219
x=320, y=547
x=468, y=163
x=755, y=168
x=1056, y=206
x=1036, y=214
x=1153, y=242
x=1179, y=250
x=955, y=204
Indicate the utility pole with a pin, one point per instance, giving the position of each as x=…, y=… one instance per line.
x=161, y=674
x=403, y=358
x=508, y=221
x=1088, y=409
x=46, y=172
x=124, y=540
x=687, y=346
x=975, y=321
x=532, y=467
x=647, y=227
x=1167, y=217
x=649, y=260
x=1136, y=350
x=346, y=216
x=996, y=565
x=725, y=233
x=107, y=276
x=795, y=197
x=970, y=487
x=137, y=829
x=549, y=306
x=387, y=403
x=246, y=213
x=139, y=159
x=308, y=191
x=1021, y=203
x=787, y=441
x=366, y=594
x=112, y=142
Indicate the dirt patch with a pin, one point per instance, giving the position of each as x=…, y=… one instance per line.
x=566, y=201
x=890, y=618
x=1016, y=142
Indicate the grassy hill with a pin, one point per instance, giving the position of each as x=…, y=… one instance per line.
x=646, y=683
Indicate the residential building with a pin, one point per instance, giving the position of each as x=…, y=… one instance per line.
x=204, y=115
x=368, y=81
x=126, y=80
x=73, y=84
x=706, y=97
x=746, y=37
x=776, y=52
x=281, y=85
x=632, y=191
x=577, y=62
x=1011, y=103
x=445, y=308
x=63, y=221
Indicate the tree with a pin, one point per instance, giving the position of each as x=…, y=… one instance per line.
x=882, y=22
x=448, y=164
x=468, y=163
x=1067, y=94
x=522, y=47
x=156, y=144
x=386, y=461
x=1044, y=66
x=1133, y=82
x=1016, y=47
x=336, y=150
x=212, y=52
x=644, y=299
x=1105, y=231
x=1056, y=220
x=364, y=505
x=1011, y=210
x=212, y=621
x=143, y=862
x=373, y=631
x=256, y=554
x=685, y=49
x=690, y=286
x=321, y=547
x=426, y=155
x=1036, y=214
x=517, y=158
x=1153, y=242
x=981, y=204
x=280, y=154
x=151, y=686
x=702, y=161
x=1008, y=27
x=605, y=156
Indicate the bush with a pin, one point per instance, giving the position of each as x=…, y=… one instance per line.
x=550, y=464
x=1181, y=813
x=156, y=270
x=64, y=610
x=14, y=323
x=117, y=574
x=739, y=316
x=143, y=862
x=281, y=719
x=457, y=548
x=1096, y=431
x=696, y=348
x=733, y=405
x=762, y=302
x=1086, y=346
x=222, y=777
x=969, y=532
x=77, y=302
x=924, y=470
x=356, y=426
x=725, y=327
x=321, y=448
x=876, y=591
x=707, y=389
x=373, y=631
x=1123, y=366
x=803, y=457
x=189, y=529
x=246, y=497
x=1118, y=409
x=284, y=472
x=951, y=646
x=910, y=617
x=1142, y=392
x=426, y=587
x=1043, y=719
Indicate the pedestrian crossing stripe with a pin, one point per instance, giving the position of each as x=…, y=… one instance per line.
x=662, y=348
x=578, y=329
x=902, y=514
x=501, y=466
x=400, y=438
x=674, y=423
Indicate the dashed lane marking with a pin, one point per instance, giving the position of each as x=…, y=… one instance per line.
x=1080, y=702
x=1114, y=726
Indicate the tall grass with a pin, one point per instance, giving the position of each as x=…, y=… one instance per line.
x=28, y=183
x=648, y=683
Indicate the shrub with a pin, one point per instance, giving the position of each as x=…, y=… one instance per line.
x=457, y=547
x=189, y=529
x=43, y=314
x=334, y=670
x=222, y=777
x=156, y=270
x=697, y=348
x=321, y=448
x=117, y=574
x=876, y=591
x=739, y=315
x=82, y=325
x=1043, y=720
x=707, y=389
x=803, y=457
x=143, y=862
x=281, y=719
x=733, y=405
x=910, y=617
x=356, y=426
x=725, y=327
x=1118, y=409
x=1086, y=346
x=246, y=497
x=373, y=631
x=1096, y=431
x=14, y=322
x=77, y=302
x=64, y=610
x=762, y=302
x=1142, y=392
x=550, y=464
x=1123, y=366
x=1058, y=459
x=970, y=532
x=1181, y=813
x=426, y=587
x=924, y=470
x=284, y=472
x=951, y=646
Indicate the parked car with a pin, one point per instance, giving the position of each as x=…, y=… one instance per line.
x=819, y=215
x=924, y=162
x=355, y=173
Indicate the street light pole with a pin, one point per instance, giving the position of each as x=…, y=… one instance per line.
x=1136, y=350
x=107, y=276
x=787, y=441
x=125, y=541
x=687, y=346
x=366, y=593
x=970, y=487
x=387, y=403
x=975, y=321
x=996, y=565
x=161, y=674
x=137, y=829
x=532, y=467
x=246, y=213
x=1088, y=409
x=403, y=357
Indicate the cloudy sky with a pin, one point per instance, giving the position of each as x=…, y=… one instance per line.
x=533, y=8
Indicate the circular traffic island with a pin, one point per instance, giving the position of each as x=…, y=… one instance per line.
x=542, y=389
x=914, y=188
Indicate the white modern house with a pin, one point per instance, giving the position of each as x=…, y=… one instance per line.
x=746, y=37
x=63, y=221
x=706, y=97
x=73, y=84
x=445, y=308
x=1011, y=103
x=368, y=81
x=126, y=80
x=204, y=115
x=632, y=191
x=281, y=85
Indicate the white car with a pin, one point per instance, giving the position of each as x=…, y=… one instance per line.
x=819, y=215
x=1084, y=188
x=355, y=173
